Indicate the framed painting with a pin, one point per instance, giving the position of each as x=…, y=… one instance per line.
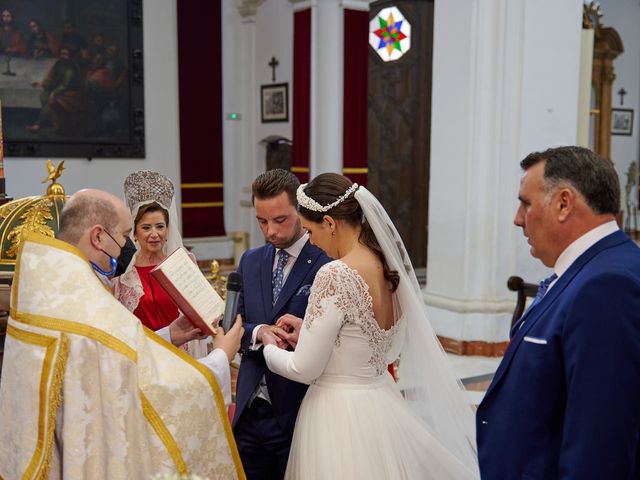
x=621, y=121
x=275, y=102
x=71, y=78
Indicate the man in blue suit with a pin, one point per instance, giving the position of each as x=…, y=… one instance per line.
x=276, y=281
x=565, y=401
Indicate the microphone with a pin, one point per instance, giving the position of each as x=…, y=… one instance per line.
x=234, y=285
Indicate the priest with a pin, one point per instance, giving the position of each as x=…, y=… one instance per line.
x=86, y=390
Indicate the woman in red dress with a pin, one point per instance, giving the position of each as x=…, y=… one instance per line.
x=155, y=232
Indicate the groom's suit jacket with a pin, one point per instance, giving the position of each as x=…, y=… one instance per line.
x=565, y=401
x=255, y=306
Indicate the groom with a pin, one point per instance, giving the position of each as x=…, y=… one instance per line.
x=565, y=401
x=276, y=281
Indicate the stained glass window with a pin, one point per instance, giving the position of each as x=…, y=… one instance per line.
x=390, y=34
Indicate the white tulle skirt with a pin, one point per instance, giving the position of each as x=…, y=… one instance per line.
x=350, y=428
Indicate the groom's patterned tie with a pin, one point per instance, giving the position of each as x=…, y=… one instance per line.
x=542, y=289
x=278, y=274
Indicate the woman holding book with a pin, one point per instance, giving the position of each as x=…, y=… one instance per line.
x=149, y=196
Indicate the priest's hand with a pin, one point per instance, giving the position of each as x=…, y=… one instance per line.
x=182, y=331
x=229, y=342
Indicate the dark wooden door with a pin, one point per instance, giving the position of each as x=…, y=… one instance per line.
x=399, y=128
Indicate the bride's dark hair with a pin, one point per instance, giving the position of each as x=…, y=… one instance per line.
x=325, y=189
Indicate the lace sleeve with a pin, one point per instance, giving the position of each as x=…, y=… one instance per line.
x=324, y=293
x=115, y=287
x=128, y=289
x=322, y=322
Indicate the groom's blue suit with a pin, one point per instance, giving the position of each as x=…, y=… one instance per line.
x=255, y=306
x=565, y=401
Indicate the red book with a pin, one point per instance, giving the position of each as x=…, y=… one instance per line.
x=190, y=290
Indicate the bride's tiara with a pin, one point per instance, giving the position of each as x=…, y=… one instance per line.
x=310, y=204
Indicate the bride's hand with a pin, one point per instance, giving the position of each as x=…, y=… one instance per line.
x=290, y=325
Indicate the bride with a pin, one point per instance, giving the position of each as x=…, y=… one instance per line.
x=365, y=309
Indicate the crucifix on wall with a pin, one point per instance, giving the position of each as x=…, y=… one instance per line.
x=622, y=92
x=273, y=63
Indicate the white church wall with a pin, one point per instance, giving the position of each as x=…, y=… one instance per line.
x=274, y=38
x=252, y=40
x=239, y=143
x=505, y=78
x=550, y=95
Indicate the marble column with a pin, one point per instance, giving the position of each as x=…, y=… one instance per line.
x=505, y=83
x=240, y=143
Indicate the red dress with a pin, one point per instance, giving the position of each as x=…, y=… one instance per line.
x=155, y=309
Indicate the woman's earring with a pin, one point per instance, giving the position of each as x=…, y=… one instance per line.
x=333, y=233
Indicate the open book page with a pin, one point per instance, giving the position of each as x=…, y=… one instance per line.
x=189, y=289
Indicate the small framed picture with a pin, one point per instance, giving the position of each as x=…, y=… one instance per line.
x=275, y=102
x=621, y=121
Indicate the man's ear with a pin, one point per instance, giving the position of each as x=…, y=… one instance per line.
x=95, y=236
x=565, y=202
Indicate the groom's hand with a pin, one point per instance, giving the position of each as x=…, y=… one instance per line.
x=272, y=334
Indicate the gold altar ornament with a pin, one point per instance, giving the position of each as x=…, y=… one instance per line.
x=54, y=172
x=30, y=214
x=217, y=281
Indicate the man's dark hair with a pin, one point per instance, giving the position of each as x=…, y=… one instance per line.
x=82, y=213
x=592, y=176
x=272, y=183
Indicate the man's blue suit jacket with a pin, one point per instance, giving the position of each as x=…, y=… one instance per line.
x=565, y=401
x=255, y=306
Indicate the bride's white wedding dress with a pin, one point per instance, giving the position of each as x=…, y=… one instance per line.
x=354, y=423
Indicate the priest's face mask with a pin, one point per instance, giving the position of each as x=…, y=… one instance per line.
x=113, y=260
x=112, y=242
